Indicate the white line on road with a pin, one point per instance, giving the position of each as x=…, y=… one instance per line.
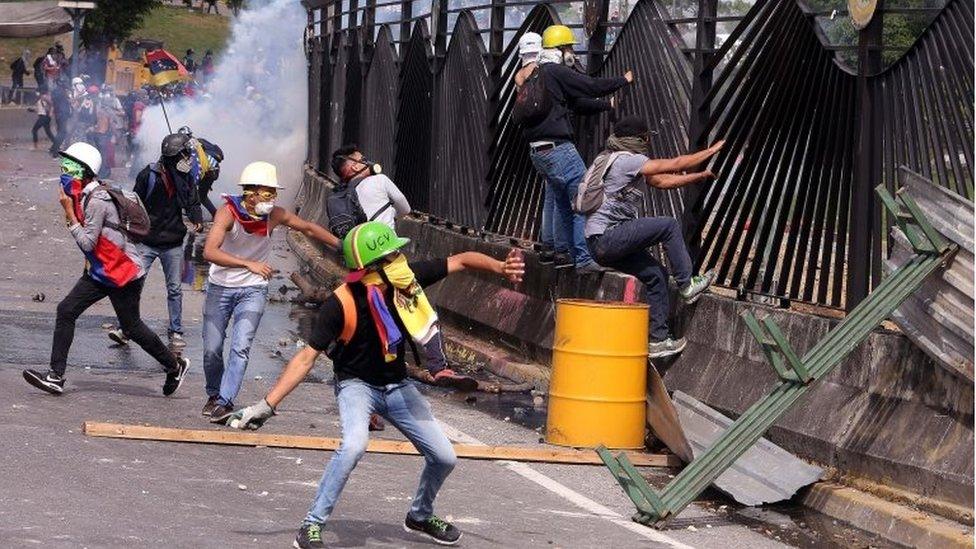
x=568, y=493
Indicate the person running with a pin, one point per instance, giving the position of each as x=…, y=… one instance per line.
x=551, y=148
x=44, y=108
x=167, y=194
x=619, y=239
x=238, y=248
x=113, y=269
x=361, y=327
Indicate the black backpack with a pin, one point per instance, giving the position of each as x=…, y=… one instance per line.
x=133, y=217
x=533, y=101
x=345, y=211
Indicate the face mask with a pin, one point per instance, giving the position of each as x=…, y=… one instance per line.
x=66, y=183
x=398, y=272
x=183, y=166
x=72, y=169
x=264, y=208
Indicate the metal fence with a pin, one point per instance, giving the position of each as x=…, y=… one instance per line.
x=791, y=215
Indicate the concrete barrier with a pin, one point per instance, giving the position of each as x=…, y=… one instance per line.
x=887, y=413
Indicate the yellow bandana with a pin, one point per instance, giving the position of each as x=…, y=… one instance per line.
x=416, y=312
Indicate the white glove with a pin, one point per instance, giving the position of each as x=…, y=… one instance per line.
x=251, y=417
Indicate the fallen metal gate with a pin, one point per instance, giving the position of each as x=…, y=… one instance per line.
x=796, y=374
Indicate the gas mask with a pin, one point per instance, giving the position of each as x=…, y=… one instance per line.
x=571, y=60
x=368, y=168
x=184, y=164
x=264, y=208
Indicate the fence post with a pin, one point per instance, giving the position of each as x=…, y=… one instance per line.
x=864, y=214
x=595, y=14
x=440, y=36
x=496, y=40
x=369, y=22
x=406, y=12
x=698, y=118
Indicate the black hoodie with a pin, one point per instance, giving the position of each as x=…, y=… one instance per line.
x=166, y=197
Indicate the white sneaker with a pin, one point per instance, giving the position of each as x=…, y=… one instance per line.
x=176, y=340
x=118, y=337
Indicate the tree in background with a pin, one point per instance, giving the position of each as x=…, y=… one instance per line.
x=113, y=21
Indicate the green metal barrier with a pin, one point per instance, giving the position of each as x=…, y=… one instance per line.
x=796, y=374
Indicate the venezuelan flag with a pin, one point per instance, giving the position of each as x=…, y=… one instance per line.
x=164, y=68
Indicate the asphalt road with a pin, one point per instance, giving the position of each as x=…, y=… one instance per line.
x=59, y=488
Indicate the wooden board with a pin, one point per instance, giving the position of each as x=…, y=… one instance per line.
x=663, y=418
x=467, y=451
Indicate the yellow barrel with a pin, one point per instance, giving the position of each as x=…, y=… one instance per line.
x=599, y=375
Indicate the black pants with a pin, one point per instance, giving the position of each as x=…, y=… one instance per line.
x=43, y=121
x=125, y=301
x=203, y=190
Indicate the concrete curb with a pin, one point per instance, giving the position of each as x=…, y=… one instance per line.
x=891, y=521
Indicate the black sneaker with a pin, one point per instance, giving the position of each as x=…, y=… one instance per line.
x=175, y=379
x=435, y=528
x=309, y=536
x=49, y=382
x=209, y=407
x=221, y=413
x=546, y=257
x=562, y=260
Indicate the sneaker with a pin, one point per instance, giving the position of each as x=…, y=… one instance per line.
x=591, y=267
x=546, y=257
x=435, y=528
x=376, y=423
x=562, y=260
x=176, y=340
x=175, y=379
x=696, y=287
x=667, y=347
x=221, y=413
x=209, y=407
x=118, y=337
x=309, y=536
x=49, y=382
x=448, y=378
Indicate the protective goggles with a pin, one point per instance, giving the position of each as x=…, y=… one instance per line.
x=267, y=195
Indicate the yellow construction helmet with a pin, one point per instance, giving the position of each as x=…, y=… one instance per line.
x=557, y=35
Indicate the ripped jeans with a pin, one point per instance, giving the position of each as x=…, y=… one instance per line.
x=246, y=306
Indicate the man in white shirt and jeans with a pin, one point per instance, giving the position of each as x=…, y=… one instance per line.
x=379, y=197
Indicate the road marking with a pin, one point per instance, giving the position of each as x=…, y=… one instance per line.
x=567, y=493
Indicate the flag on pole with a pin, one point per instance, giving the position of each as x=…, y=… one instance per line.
x=164, y=68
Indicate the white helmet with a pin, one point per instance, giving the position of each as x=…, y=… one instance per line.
x=260, y=173
x=529, y=44
x=85, y=154
x=77, y=80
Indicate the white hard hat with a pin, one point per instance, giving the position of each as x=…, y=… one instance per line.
x=77, y=80
x=530, y=43
x=84, y=153
x=260, y=173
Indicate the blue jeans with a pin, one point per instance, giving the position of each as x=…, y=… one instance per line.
x=404, y=407
x=246, y=306
x=624, y=247
x=546, y=235
x=563, y=169
x=172, y=261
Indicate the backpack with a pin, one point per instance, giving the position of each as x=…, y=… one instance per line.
x=532, y=101
x=133, y=217
x=592, y=189
x=345, y=211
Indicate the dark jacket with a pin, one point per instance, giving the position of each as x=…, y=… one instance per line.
x=166, y=196
x=568, y=89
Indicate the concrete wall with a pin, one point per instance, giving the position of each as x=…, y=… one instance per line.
x=886, y=412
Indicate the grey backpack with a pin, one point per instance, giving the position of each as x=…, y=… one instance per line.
x=592, y=190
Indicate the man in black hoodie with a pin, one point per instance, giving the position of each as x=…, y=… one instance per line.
x=167, y=191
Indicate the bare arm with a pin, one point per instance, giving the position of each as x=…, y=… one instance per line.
x=295, y=371
x=671, y=181
x=681, y=163
x=512, y=268
x=281, y=216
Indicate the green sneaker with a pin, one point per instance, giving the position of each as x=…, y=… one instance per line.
x=666, y=347
x=435, y=528
x=309, y=536
x=696, y=287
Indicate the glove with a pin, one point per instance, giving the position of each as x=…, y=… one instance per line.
x=251, y=417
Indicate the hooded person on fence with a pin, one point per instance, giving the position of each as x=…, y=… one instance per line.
x=611, y=196
x=238, y=247
x=363, y=326
x=113, y=269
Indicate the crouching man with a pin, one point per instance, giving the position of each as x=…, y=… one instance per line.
x=361, y=329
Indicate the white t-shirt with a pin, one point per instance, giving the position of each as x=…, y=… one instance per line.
x=377, y=191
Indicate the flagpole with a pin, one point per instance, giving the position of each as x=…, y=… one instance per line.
x=162, y=103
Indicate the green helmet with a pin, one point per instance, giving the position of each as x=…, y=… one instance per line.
x=369, y=242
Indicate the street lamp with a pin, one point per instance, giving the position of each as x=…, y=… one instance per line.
x=77, y=11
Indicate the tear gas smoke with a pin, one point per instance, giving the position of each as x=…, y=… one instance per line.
x=255, y=107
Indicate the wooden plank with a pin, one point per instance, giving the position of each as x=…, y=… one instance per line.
x=467, y=451
x=663, y=418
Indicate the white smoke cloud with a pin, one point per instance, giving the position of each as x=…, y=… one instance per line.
x=257, y=109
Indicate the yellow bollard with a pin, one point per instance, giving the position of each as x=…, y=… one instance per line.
x=597, y=393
